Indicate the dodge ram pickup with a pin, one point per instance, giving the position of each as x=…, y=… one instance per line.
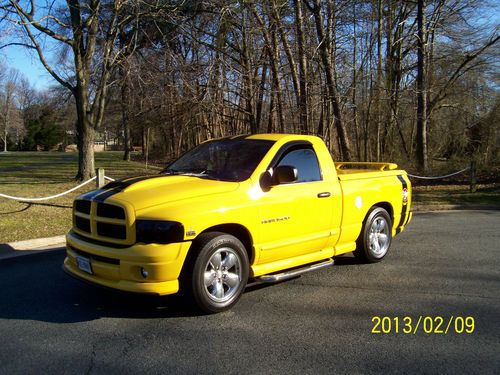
x=237, y=210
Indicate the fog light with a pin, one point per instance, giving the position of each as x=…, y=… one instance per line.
x=144, y=273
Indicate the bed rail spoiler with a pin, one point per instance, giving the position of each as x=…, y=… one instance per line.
x=366, y=165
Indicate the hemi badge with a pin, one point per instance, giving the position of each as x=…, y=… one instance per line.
x=275, y=219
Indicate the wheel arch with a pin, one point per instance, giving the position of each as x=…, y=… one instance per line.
x=360, y=251
x=237, y=230
x=386, y=206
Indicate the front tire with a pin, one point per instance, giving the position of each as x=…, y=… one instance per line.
x=376, y=237
x=219, y=272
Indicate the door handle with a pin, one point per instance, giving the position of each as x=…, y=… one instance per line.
x=324, y=194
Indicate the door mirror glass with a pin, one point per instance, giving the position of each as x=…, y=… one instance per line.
x=285, y=174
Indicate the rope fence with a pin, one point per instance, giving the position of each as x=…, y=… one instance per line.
x=472, y=173
x=440, y=177
x=99, y=178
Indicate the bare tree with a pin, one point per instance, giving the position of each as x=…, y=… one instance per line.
x=326, y=48
x=8, y=105
x=88, y=29
x=375, y=78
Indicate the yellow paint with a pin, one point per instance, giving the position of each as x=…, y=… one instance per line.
x=288, y=224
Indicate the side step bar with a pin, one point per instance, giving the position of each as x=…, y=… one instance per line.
x=273, y=278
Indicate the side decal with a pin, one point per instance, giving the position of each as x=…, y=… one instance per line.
x=404, y=193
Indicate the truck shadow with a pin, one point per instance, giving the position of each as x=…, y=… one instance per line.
x=34, y=287
x=343, y=260
x=346, y=260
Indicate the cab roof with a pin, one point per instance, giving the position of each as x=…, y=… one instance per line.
x=273, y=137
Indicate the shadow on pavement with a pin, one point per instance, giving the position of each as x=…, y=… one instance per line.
x=34, y=287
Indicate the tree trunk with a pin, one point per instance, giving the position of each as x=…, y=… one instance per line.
x=325, y=50
x=271, y=46
x=260, y=95
x=378, y=88
x=354, y=84
x=303, y=106
x=86, y=138
x=5, y=136
x=288, y=51
x=274, y=54
x=421, y=88
x=125, y=116
x=248, y=83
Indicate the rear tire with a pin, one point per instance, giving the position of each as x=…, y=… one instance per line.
x=219, y=273
x=376, y=236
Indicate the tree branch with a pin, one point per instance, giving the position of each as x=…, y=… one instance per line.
x=42, y=59
x=28, y=16
x=459, y=71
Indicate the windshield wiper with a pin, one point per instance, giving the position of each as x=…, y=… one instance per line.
x=169, y=171
x=191, y=172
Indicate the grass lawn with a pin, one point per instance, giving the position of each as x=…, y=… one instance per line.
x=40, y=174
x=486, y=195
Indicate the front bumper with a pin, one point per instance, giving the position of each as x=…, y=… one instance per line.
x=120, y=268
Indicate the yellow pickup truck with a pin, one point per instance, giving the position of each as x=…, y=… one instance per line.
x=237, y=210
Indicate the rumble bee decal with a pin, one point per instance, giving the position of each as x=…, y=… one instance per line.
x=275, y=219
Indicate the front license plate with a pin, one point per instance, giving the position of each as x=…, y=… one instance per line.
x=84, y=264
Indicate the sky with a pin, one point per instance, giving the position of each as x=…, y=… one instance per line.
x=28, y=65
x=26, y=61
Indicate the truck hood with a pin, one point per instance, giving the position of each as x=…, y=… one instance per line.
x=145, y=192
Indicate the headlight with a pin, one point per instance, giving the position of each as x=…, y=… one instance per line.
x=153, y=231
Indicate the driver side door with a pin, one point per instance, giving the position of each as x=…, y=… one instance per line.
x=295, y=217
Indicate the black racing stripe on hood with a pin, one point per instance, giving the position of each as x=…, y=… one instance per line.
x=91, y=194
x=106, y=194
x=119, y=185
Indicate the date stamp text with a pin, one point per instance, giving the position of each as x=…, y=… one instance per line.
x=423, y=324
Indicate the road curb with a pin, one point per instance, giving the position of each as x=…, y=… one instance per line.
x=34, y=246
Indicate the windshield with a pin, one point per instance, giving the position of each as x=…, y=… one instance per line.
x=224, y=159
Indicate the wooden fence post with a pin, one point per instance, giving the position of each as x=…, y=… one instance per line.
x=100, y=182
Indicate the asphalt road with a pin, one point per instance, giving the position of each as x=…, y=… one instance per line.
x=444, y=264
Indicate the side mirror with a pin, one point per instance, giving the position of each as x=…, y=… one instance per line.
x=284, y=174
x=266, y=181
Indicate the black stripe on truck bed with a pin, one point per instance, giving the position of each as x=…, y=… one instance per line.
x=405, y=205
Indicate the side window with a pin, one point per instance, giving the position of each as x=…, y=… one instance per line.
x=306, y=162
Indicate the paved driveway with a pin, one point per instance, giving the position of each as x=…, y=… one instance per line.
x=444, y=264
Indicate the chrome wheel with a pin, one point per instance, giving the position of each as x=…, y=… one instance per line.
x=375, y=239
x=217, y=272
x=379, y=237
x=223, y=275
